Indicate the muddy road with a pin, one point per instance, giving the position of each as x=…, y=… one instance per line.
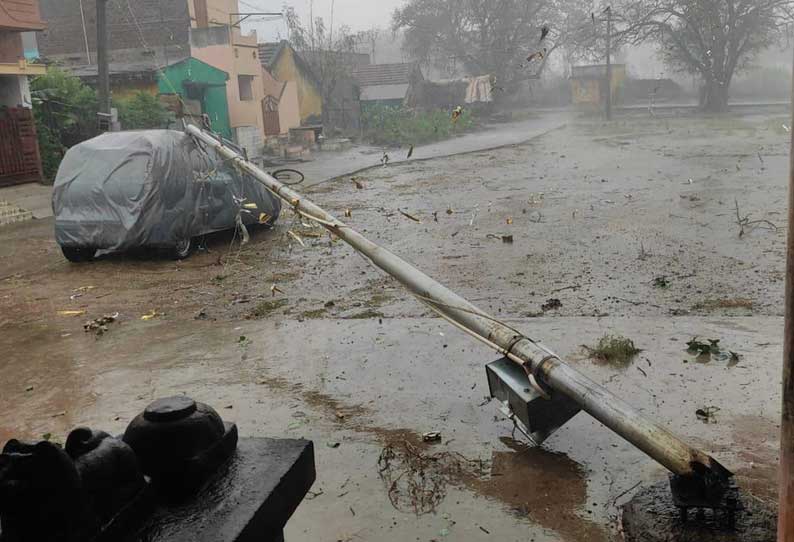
x=632, y=226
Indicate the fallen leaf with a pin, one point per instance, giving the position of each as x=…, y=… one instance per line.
x=297, y=238
x=71, y=313
x=152, y=314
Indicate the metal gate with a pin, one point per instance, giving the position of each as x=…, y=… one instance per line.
x=270, y=116
x=20, y=161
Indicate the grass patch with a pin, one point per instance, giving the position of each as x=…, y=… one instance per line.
x=313, y=314
x=264, y=308
x=732, y=303
x=395, y=126
x=613, y=350
x=368, y=314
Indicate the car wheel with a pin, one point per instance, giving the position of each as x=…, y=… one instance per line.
x=78, y=254
x=183, y=249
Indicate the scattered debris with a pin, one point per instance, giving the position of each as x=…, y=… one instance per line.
x=536, y=55
x=432, y=436
x=333, y=444
x=384, y=160
x=410, y=151
x=297, y=238
x=357, y=183
x=661, y=282
x=551, y=304
x=339, y=415
x=151, y=315
x=745, y=222
x=99, y=325
x=707, y=415
x=348, y=213
x=509, y=220
x=275, y=289
x=456, y=113
x=695, y=346
x=71, y=313
x=408, y=216
x=728, y=303
x=544, y=31
x=614, y=350
x=264, y=308
x=417, y=481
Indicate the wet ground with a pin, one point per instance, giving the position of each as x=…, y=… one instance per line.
x=631, y=226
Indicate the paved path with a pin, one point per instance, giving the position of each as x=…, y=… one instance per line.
x=327, y=166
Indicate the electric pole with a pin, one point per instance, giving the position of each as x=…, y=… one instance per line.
x=785, y=529
x=103, y=70
x=608, y=89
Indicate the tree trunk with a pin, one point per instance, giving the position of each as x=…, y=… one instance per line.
x=714, y=97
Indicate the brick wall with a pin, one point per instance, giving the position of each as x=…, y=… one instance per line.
x=165, y=26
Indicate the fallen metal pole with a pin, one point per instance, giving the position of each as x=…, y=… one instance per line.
x=541, y=364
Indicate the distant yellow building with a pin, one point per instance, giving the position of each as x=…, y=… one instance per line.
x=285, y=64
x=588, y=84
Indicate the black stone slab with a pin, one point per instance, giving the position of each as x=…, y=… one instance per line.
x=250, y=499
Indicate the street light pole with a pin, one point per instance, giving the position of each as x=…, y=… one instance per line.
x=785, y=531
x=608, y=90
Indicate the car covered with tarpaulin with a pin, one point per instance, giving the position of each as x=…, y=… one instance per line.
x=151, y=189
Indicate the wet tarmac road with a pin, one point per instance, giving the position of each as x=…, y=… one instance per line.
x=349, y=358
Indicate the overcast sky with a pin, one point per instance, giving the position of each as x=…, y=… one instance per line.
x=357, y=14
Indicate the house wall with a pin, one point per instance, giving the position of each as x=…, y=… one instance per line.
x=164, y=27
x=236, y=54
x=309, y=99
x=289, y=114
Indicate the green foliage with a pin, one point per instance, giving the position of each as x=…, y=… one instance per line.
x=614, y=350
x=696, y=346
x=142, y=111
x=65, y=113
x=397, y=126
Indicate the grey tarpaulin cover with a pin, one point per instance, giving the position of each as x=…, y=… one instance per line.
x=150, y=189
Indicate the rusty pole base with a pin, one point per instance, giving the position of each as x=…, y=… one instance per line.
x=653, y=516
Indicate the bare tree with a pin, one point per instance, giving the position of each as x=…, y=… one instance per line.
x=710, y=38
x=481, y=36
x=329, y=52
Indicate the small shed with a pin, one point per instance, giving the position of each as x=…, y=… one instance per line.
x=389, y=84
x=588, y=84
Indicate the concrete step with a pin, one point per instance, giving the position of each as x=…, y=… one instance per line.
x=11, y=214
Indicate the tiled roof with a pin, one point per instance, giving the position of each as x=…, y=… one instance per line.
x=384, y=74
x=269, y=51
